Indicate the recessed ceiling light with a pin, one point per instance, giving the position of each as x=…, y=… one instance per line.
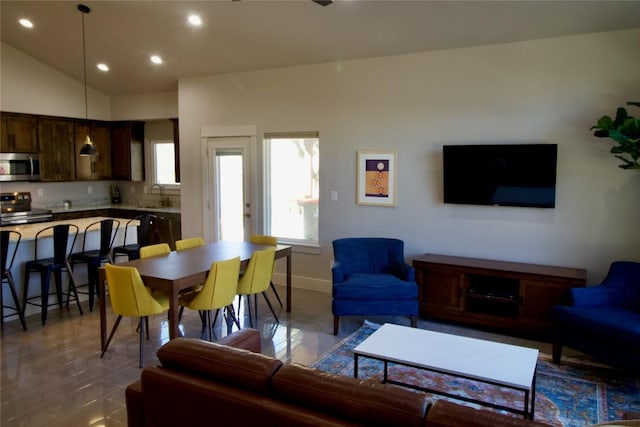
x=103, y=67
x=26, y=23
x=156, y=59
x=195, y=20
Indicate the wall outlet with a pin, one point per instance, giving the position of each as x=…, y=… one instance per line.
x=40, y=192
x=334, y=196
x=89, y=189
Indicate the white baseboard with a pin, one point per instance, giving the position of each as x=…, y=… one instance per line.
x=303, y=282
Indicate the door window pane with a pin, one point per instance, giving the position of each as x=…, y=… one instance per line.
x=230, y=190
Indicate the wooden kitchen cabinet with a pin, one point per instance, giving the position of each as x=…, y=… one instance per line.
x=127, y=151
x=56, y=145
x=19, y=133
x=510, y=296
x=100, y=133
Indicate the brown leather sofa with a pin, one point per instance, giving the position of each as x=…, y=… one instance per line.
x=231, y=383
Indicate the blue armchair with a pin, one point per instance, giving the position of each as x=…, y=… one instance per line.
x=603, y=320
x=371, y=277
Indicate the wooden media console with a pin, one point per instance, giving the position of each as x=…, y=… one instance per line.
x=511, y=296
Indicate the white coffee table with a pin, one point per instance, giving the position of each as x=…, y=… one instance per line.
x=480, y=360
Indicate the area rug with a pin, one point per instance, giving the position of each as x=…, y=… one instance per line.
x=567, y=395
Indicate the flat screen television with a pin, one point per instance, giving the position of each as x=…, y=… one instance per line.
x=500, y=175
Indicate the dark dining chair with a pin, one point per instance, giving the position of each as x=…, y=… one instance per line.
x=143, y=231
x=93, y=258
x=59, y=235
x=6, y=264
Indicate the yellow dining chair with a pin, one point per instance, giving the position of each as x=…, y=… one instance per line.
x=130, y=297
x=192, y=242
x=264, y=239
x=154, y=250
x=256, y=279
x=218, y=290
x=182, y=245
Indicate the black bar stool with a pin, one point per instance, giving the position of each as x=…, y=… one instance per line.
x=95, y=257
x=132, y=250
x=5, y=237
x=56, y=265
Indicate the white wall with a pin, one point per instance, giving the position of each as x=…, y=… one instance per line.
x=547, y=91
x=145, y=107
x=29, y=86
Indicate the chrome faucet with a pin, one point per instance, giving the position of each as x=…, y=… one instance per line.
x=163, y=201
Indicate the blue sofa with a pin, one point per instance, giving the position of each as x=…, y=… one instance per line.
x=371, y=278
x=603, y=320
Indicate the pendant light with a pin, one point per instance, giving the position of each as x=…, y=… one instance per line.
x=88, y=149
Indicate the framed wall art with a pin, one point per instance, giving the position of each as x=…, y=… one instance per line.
x=376, y=178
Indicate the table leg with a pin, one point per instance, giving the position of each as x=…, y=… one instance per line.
x=355, y=366
x=533, y=394
x=103, y=308
x=173, y=315
x=289, y=282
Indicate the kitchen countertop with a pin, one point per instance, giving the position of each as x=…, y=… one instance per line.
x=158, y=209
x=29, y=231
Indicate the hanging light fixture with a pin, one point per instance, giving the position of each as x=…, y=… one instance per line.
x=88, y=149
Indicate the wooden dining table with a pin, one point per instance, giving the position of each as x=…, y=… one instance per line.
x=177, y=271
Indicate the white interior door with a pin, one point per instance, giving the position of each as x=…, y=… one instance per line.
x=229, y=188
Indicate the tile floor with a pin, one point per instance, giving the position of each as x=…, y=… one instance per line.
x=53, y=375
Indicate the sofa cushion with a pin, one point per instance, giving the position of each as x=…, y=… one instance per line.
x=374, y=404
x=360, y=286
x=445, y=413
x=612, y=323
x=230, y=365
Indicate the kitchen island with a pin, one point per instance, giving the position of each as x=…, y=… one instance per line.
x=26, y=250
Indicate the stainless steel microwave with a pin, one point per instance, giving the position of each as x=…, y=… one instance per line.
x=19, y=167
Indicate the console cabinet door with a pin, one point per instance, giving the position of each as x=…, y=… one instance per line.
x=19, y=134
x=440, y=289
x=56, y=143
x=539, y=297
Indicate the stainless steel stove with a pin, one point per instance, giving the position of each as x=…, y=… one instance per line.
x=16, y=209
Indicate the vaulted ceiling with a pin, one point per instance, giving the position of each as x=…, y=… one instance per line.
x=250, y=35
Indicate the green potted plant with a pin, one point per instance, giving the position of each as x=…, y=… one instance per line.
x=624, y=130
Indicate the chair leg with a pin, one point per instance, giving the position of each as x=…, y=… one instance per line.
x=232, y=312
x=556, y=352
x=336, y=324
x=275, y=291
x=25, y=288
x=113, y=331
x=207, y=315
x=45, y=277
x=14, y=295
x=414, y=321
x=57, y=276
x=266, y=298
x=249, y=310
x=215, y=319
x=142, y=329
x=72, y=286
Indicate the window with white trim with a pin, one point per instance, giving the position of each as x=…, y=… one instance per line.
x=291, y=168
x=163, y=163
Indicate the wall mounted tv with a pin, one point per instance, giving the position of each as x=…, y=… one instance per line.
x=500, y=175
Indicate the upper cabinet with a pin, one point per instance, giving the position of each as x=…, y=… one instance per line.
x=127, y=151
x=120, y=146
x=19, y=133
x=101, y=137
x=56, y=145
